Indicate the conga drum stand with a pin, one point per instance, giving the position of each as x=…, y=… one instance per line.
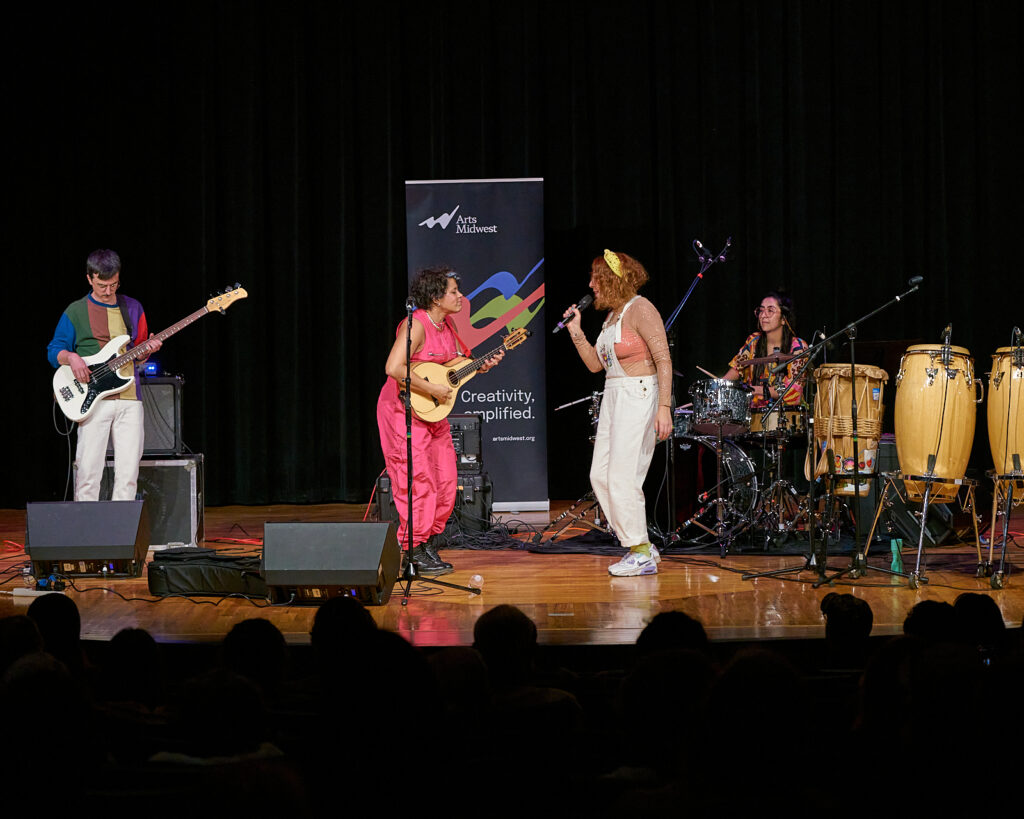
x=1004, y=488
x=948, y=487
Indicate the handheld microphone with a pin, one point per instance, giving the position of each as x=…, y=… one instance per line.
x=581, y=305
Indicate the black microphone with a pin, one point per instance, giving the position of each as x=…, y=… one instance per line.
x=947, y=333
x=703, y=254
x=914, y=282
x=725, y=250
x=581, y=305
x=1016, y=335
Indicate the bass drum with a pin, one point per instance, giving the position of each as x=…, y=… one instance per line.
x=695, y=473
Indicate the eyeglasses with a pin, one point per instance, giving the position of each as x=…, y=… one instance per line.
x=767, y=311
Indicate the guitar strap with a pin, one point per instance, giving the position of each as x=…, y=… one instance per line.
x=468, y=353
x=122, y=305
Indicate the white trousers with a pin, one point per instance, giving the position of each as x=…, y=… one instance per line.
x=625, y=442
x=121, y=422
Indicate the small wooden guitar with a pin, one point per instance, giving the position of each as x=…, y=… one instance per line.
x=77, y=400
x=455, y=373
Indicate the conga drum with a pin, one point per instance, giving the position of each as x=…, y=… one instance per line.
x=1005, y=410
x=833, y=421
x=935, y=414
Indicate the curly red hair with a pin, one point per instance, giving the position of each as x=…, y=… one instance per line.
x=615, y=290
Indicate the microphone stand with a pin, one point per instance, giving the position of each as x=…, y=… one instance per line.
x=706, y=261
x=409, y=569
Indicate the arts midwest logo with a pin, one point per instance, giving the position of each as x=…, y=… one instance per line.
x=463, y=224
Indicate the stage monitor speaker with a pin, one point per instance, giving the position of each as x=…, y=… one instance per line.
x=88, y=539
x=308, y=563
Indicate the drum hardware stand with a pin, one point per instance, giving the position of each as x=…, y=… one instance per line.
x=588, y=501
x=1004, y=484
x=779, y=502
x=724, y=541
x=817, y=557
x=917, y=576
x=706, y=261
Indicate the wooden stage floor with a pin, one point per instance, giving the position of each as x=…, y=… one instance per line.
x=571, y=598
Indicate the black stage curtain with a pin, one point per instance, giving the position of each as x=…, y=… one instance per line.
x=844, y=146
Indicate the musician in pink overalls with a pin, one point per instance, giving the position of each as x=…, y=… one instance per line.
x=436, y=294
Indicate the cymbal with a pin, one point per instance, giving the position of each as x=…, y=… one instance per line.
x=774, y=358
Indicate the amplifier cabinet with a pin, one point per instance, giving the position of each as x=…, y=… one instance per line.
x=161, y=407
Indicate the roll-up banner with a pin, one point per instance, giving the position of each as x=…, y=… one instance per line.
x=491, y=232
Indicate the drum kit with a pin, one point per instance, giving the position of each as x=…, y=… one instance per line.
x=730, y=468
x=730, y=463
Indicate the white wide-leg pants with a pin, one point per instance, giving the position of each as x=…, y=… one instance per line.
x=119, y=421
x=625, y=442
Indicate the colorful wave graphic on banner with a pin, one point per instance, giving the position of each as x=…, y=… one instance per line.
x=508, y=310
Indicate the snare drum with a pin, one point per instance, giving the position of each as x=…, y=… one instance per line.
x=935, y=415
x=833, y=420
x=719, y=404
x=782, y=423
x=1005, y=410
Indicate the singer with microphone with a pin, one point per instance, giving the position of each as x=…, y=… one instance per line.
x=775, y=334
x=636, y=409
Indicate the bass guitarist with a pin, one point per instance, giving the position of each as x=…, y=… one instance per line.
x=84, y=327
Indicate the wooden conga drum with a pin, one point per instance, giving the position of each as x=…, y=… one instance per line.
x=1005, y=410
x=935, y=415
x=833, y=421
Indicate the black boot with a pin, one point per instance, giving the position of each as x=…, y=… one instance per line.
x=425, y=564
x=430, y=547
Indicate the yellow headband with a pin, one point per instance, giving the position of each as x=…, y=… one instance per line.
x=612, y=258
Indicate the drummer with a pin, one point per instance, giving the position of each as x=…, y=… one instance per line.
x=774, y=335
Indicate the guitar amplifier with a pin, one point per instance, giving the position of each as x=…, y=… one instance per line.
x=161, y=406
x=173, y=491
x=467, y=434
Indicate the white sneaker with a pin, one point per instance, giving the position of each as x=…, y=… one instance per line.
x=655, y=554
x=633, y=564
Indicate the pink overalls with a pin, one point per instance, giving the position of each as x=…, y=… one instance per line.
x=435, y=478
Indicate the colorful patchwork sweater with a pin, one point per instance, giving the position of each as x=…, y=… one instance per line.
x=86, y=325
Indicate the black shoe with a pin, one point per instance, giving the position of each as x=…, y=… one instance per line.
x=430, y=547
x=426, y=565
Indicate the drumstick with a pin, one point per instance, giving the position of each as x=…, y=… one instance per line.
x=710, y=375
